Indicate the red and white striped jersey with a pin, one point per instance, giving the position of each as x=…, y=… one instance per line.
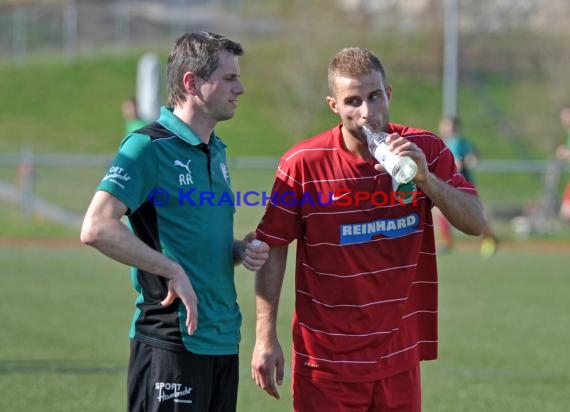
x=366, y=275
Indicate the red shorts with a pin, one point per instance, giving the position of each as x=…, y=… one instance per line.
x=398, y=393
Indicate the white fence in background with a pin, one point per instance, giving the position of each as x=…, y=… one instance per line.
x=259, y=162
x=23, y=169
x=72, y=28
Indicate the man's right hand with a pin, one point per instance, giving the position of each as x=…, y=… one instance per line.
x=179, y=286
x=103, y=229
x=267, y=366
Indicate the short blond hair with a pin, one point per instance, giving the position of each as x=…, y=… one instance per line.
x=353, y=62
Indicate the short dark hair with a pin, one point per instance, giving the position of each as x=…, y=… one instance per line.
x=197, y=52
x=354, y=61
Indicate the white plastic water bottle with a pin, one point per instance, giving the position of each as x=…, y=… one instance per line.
x=401, y=168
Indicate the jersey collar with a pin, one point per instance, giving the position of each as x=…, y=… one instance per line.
x=173, y=123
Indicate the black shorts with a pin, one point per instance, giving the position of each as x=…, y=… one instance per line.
x=163, y=380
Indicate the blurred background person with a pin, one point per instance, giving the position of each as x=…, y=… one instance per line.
x=131, y=115
x=466, y=160
x=563, y=153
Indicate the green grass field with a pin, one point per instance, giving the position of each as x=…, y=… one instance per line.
x=77, y=104
x=65, y=314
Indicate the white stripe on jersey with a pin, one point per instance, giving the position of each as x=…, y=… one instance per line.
x=358, y=274
x=344, y=178
x=431, y=312
x=379, y=302
x=356, y=335
x=428, y=253
x=408, y=348
x=311, y=150
x=271, y=236
x=435, y=159
x=334, y=361
x=367, y=361
x=282, y=208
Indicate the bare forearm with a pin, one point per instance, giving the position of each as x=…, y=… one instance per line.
x=268, y=283
x=115, y=240
x=464, y=211
x=102, y=228
x=267, y=362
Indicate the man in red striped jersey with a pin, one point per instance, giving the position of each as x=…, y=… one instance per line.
x=366, y=275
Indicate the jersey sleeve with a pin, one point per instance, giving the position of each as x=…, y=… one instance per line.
x=281, y=223
x=132, y=174
x=441, y=163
